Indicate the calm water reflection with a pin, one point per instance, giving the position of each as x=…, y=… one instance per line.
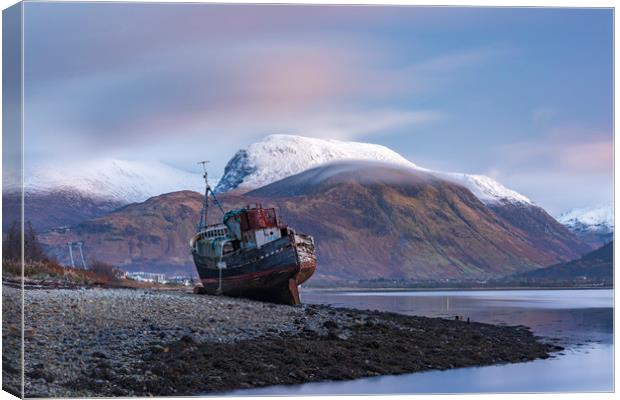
x=581, y=320
x=574, y=316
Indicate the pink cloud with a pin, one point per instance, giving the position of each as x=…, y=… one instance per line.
x=573, y=149
x=590, y=157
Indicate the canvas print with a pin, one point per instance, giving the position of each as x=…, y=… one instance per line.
x=251, y=199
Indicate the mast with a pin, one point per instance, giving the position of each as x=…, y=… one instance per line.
x=202, y=224
x=205, y=206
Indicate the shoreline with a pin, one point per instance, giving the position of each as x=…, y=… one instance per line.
x=55, y=283
x=380, y=344
x=128, y=342
x=452, y=289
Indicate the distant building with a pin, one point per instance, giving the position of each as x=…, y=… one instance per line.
x=181, y=280
x=147, y=277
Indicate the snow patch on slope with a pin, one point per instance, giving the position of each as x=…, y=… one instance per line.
x=589, y=219
x=488, y=190
x=120, y=180
x=279, y=156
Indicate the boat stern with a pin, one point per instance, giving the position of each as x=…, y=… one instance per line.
x=306, y=256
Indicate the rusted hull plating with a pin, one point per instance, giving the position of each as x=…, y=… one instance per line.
x=271, y=273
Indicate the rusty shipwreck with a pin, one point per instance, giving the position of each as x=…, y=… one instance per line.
x=251, y=254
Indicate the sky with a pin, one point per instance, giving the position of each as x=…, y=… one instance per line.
x=523, y=95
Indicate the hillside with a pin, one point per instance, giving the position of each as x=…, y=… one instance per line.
x=430, y=228
x=369, y=220
x=148, y=236
x=55, y=209
x=541, y=228
x=596, y=266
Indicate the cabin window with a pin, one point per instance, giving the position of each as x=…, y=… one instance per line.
x=228, y=248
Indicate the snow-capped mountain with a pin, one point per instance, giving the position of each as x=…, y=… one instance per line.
x=595, y=225
x=600, y=218
x=112, y=179
x=279, y=156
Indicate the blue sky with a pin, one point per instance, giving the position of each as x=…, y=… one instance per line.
x=523, y=95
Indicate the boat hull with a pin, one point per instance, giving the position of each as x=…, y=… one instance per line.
x=271, y=273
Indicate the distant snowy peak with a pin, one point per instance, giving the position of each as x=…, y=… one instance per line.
x=279, y=156
x=589, y=219
x=112, y=179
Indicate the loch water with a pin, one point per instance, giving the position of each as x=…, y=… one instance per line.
x=579, y=320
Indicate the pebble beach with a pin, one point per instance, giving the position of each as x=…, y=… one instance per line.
x=128, y=342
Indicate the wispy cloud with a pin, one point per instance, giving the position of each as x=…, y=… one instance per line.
x=568, y=159
x=461, y=58
x=340, y=88
x=353, y=125
x=562, y=191
x=172, y=82
x=571, y=148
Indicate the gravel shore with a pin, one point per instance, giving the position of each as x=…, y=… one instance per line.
x=123, y=342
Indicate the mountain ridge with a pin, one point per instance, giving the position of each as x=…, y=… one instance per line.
x=109, y=179
x=369, y=221
x=278, y=156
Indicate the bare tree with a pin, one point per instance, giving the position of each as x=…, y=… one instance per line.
x=11, y=245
